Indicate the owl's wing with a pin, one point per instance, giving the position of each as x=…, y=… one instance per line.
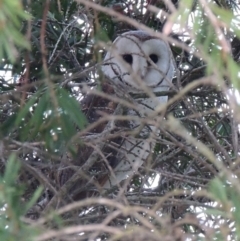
x=116, y=152
x=101, y=142
x=95, y=108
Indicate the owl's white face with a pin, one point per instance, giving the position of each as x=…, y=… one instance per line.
x=136, y=58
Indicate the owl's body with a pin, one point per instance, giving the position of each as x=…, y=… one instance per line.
x=138, y=63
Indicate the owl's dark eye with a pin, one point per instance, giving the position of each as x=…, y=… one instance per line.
x=154, y=58
x=128, y=58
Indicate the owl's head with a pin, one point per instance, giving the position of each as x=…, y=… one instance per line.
x=137, y=59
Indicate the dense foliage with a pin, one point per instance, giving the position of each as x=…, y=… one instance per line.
x=51, y=53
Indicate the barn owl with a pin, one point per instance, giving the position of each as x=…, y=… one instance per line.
x=139, y=66
x=138, y=63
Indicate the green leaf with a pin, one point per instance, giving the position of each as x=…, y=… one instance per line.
x=25, y=110
x=68, y=128
x=72, y=108
x=101, y=35
x=215, y=212
x=37, y=118
x=218, y=190
x=233, y=70
x=33, y=199
x=235, y=197
x=8, y=125
x=12, y=169
x=225, y=15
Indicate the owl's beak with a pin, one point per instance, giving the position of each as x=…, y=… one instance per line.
x=141, y=73
x=141, y=68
